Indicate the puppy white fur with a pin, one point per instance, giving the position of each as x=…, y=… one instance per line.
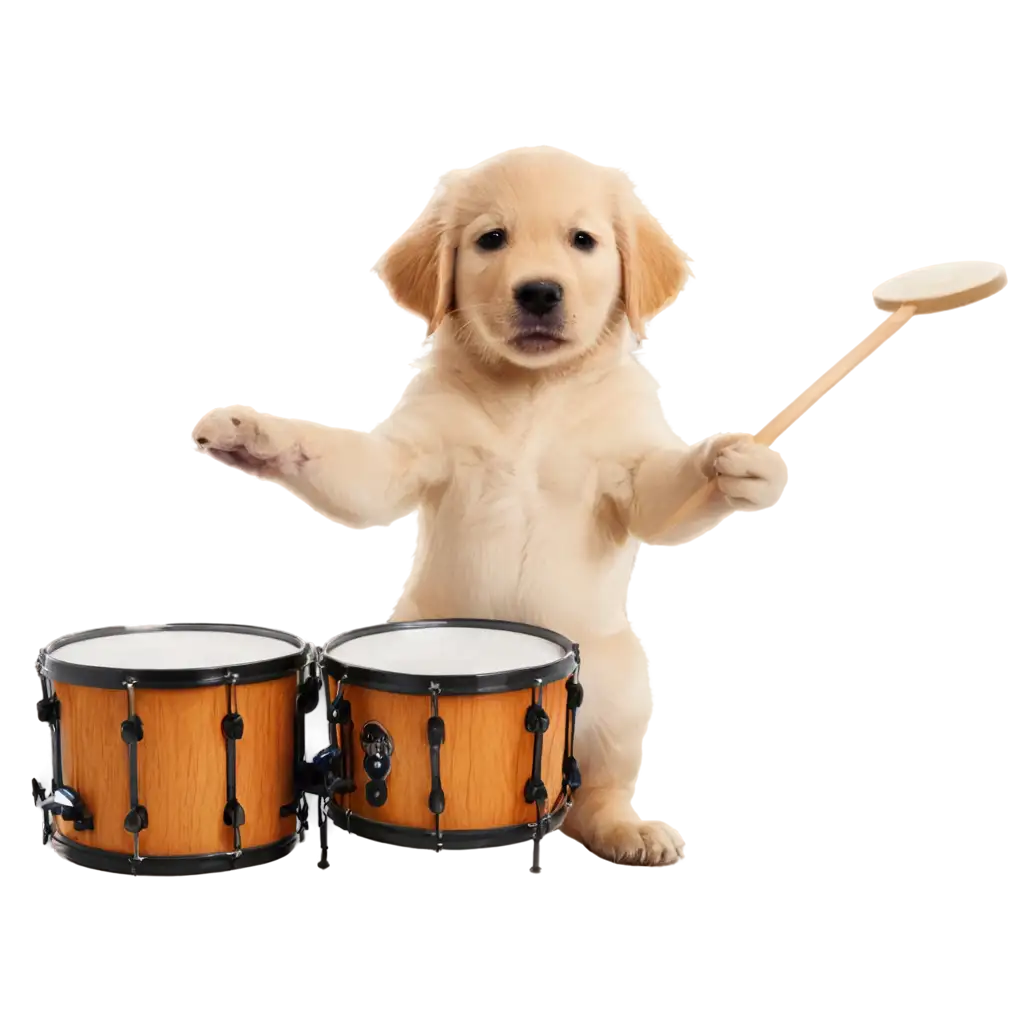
x=532, y=444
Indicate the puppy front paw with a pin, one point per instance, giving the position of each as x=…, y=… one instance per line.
x=652, y=843
x=241, y=437
x=751, y=476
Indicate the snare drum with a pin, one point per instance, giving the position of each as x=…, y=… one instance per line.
x=175, y=747
x=450, y=734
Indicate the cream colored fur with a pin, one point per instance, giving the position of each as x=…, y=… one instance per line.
x=536, y=475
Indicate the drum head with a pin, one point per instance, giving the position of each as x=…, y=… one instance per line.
x=188, y=653
x=459, y=655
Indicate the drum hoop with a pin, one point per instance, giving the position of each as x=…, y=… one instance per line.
x=185, y=864
x=451, y=839
x=106, y=678
x=450, y=685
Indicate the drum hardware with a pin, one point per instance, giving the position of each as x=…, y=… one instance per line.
x=435, y=738
x=376, y=669
x=306, y=700
x=62, y=801
x=339, y=718
x=535, y=792
x=232, y=727
x=324, y=777
x=137, y=817
x=39, y=798
x=377, y=750
x=270, y=665
x=571, y=778
x=66, y=804
x=514, y=706
x=317, y=778
x=343, y=781
x=331, y=770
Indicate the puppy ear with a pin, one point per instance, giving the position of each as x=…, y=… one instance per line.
x=416, y=269
x=654, y=268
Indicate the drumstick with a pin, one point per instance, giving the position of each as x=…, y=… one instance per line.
x=927, y=290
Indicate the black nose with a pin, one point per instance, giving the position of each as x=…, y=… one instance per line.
x=539, y=297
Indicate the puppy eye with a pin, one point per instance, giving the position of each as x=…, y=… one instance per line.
x=583, y=240
x=492, y=240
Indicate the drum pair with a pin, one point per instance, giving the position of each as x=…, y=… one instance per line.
x=181, y=749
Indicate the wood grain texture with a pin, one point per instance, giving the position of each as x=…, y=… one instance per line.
x=95, y=762
x=486, y=758
x=182, y=765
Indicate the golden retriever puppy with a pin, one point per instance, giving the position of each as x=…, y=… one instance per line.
x=532, y=442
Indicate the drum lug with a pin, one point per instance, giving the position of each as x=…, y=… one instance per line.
x=131, y=729
x=537, y=720
x=307, y=697
x=571, y=773
x=573, y=695
x=137, y=818
x=340, y=711
x=232, y=728
x=535, y=792
x=435, y=737
x=234, y=814
x=48, y=710
x=571, y=777
x=573, y=688
x=309, y=689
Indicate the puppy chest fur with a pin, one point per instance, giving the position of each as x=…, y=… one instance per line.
x=526, y=491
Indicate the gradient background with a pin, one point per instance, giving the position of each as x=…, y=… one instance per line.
x=192, y=197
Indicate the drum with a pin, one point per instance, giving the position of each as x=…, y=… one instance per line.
x=450, y=734
x=175, y=747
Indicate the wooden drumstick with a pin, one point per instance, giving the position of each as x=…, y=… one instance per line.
x=928, y=290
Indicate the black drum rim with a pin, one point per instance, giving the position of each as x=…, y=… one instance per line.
x=190, y=864
x=451, y=839
x=450, y=685
x=106, y=678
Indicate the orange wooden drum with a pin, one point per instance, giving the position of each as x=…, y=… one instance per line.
x=450, y=734
x=175, y=747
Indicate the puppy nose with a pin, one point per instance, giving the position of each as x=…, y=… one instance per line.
x=539, y=297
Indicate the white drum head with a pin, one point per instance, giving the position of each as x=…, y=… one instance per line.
x=177, y=649
x=447, y=651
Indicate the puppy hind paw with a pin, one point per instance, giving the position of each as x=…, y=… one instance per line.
x=650, y=843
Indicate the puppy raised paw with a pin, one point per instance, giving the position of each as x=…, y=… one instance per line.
x=241, y=437
x=751, y=476
x=652, y=843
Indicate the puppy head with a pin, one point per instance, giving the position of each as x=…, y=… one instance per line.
x=536, y=256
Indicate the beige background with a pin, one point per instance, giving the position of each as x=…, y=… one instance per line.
x=183, y=194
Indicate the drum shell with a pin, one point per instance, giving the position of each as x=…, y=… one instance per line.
x=485, y=760
x=181, y=765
